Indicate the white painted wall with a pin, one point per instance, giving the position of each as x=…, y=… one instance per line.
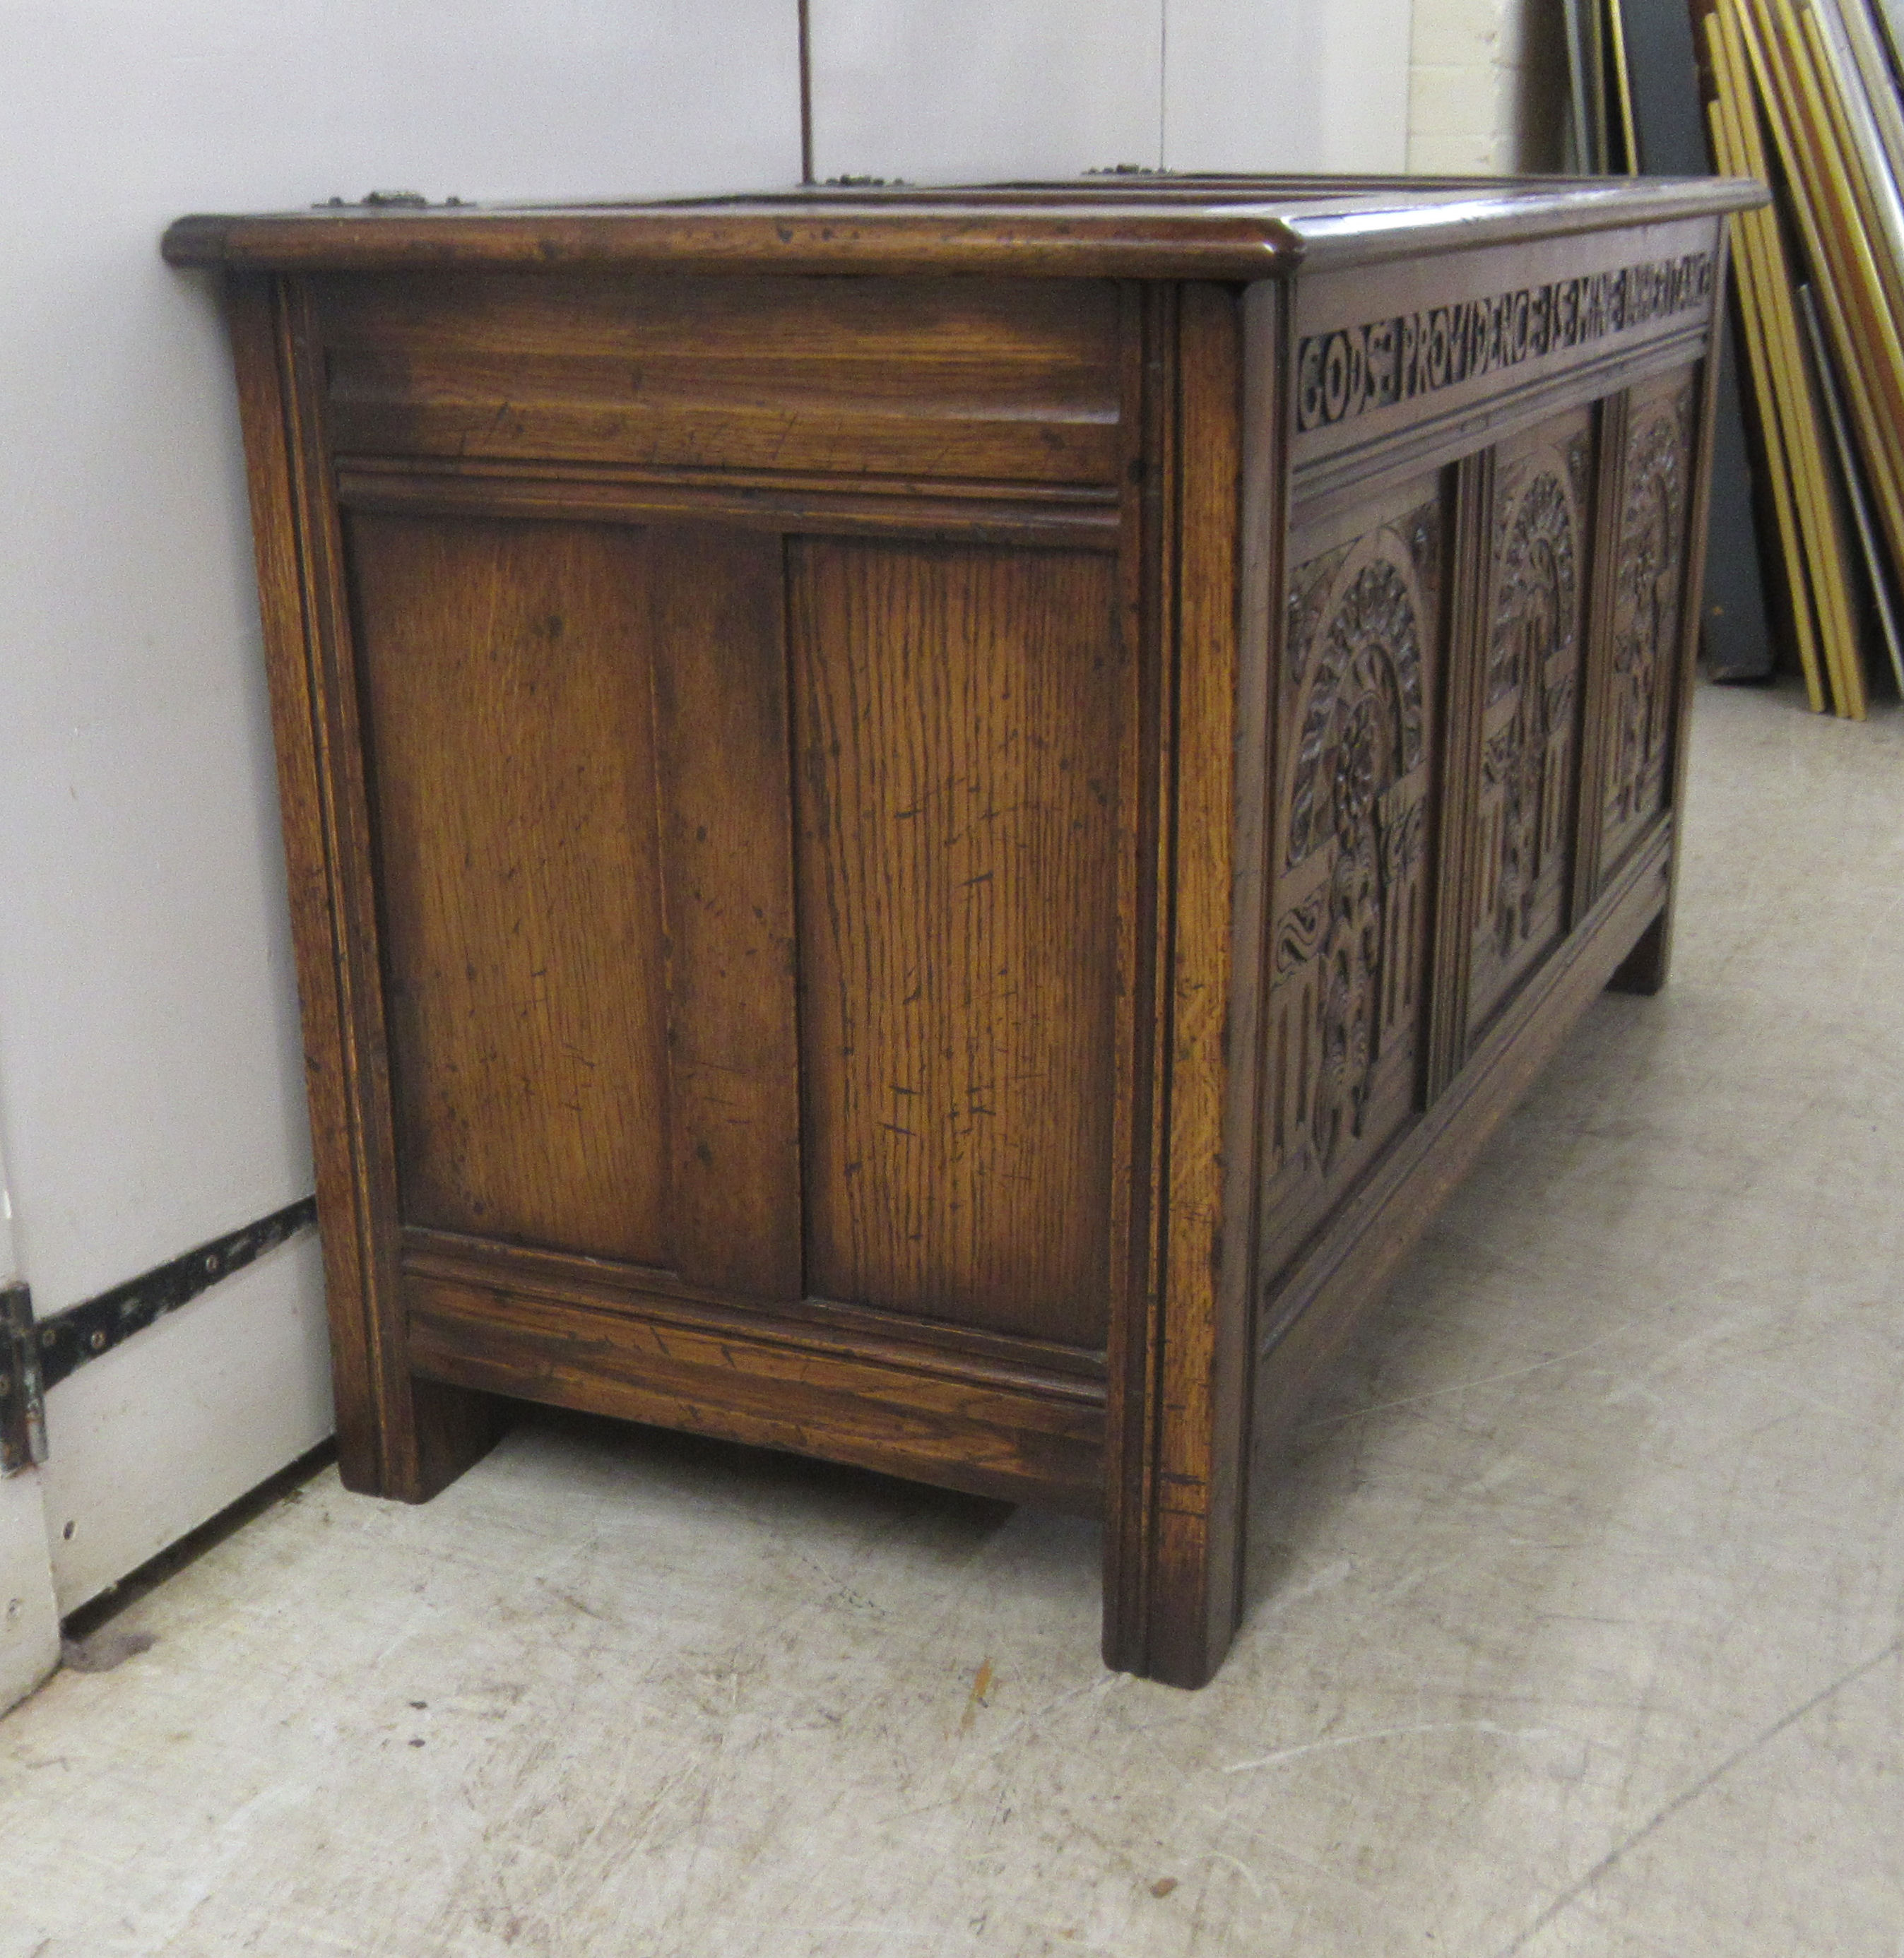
x=939, y=93
x=1483, y=92
x=29, y=1623
x=948, y=90
x=242, y=1374
x=149, y=1083
x=1277, y=85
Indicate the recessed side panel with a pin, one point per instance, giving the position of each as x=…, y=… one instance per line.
x=1530, y=698
x=1649, y=579
x=577, y=738
x=1345, y=1023
x=957, y=740
x=509, y=728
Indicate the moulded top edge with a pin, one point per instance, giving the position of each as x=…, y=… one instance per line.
x=1097, y=241
x=1232, y=228
x=1473, y=216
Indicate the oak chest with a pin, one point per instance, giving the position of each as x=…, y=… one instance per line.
x=924, y=827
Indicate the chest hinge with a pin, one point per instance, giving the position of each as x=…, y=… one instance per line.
x=23, y=1399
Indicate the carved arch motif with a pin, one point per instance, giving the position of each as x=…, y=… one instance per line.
x=1533, y=660
x=1308, y=595
x=1649, y=593
x=1345, y=939
x=1362, y=736
x=1372, y=650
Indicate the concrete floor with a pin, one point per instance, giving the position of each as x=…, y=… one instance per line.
x=1579, y=1617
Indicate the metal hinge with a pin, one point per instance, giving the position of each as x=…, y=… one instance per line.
x=23, y=1399
x=35, y=1358
x=387, y=200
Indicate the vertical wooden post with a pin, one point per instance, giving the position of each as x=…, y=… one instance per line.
x=1180, y=1382
x=1645, y=967
x=396, y=1436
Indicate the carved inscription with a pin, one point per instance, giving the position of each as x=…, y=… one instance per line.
x=1529, y=707
x=1347, y=936
x=1648, y=594
x=1354, y=369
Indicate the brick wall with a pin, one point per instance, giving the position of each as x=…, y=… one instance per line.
x=1486, y=78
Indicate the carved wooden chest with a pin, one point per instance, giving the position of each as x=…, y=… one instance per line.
x=924, y=827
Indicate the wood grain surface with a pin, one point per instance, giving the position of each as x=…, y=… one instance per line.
x=957, y=730
x=874, y=377
x=397, y=1435
x=579, y=773
x=294, y=662
x=1243, y=229
x=724, y=804
x=511, y=738
x=1191, y=1599
x=990, y=1435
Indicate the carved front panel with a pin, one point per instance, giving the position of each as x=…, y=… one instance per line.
x=1654, y=500
x=1530, y=704
x=1347, y=952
